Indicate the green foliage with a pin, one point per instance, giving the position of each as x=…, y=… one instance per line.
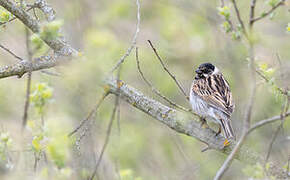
x=128, y=174
x=227, y=27
x=4, y=15
x=58, y=150
x=263, y=14
x=236, y=35
x=269, y=73
x=254, y=171
x=37, y=144
x=272, y=3
x=58, y=143
x=5, y=144
x=51, y=30
x=224, y=11
x=36, y=41
x=40, y=95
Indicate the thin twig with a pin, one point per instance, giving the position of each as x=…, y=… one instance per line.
x=266, y=121
x=91, y=113
x=222, y=3
x=248, y=114
x=239, y=17
x=167, y=70
x=230, y=158
x=119, y=120
x=252, y=13
x=282, y=91
x=108, y=132
x=283, y=112
x=28, y=85
x=134, y=41
x=288, y=166
x=157, y=92
x=56, y=74
x=10, y=52
x=280, y=3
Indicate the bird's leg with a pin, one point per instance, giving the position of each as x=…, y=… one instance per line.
x=226, y=142
x=219, y=131
x=203, y=123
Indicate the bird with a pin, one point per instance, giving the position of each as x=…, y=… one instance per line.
x=211, y=98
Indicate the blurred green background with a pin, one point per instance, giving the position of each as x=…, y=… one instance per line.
x=186, y=33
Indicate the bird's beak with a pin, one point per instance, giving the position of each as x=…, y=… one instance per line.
x=198, y=71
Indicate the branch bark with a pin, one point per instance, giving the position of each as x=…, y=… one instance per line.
x=185, y=123
x=60, y=47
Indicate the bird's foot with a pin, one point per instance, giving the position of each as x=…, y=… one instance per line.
x=219, y=131
x=226, y=143
x=204, y=123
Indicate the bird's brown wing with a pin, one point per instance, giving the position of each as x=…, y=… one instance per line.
x=216, y=92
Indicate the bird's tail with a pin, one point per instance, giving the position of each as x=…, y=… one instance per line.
x=228, y=129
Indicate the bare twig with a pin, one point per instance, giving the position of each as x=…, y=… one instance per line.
x=252, y=13
x=248, y=114
x=288, y=166
x=167, y=70
x=50, y=73
x=91, y=113
x=108, y=130
x=280, y=3
x=222, y=3
x=157, y=92
x=230, y=158
x=119, y=119
x=282, y=91
x=266, y=121
x=28, y=85
x=10, y=52
x=134, y=41
x=239, y=17
x=106, y=140
x=283, y=112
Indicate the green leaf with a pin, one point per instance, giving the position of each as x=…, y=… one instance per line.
x=36, y=41
x=236, y=35
x=272, y=2
x=227, y=27
x=4, y=15
x=263, y=14
x=51, y=30
x=255, y=171
x=224, y=11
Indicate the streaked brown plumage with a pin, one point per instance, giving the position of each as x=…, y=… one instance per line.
x=211, y=97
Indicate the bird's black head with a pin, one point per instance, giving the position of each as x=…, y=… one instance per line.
x=204, y=70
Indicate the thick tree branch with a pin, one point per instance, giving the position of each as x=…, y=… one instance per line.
x=20, y=68
x=60, y=47
x=185, y=123
x=57, y=44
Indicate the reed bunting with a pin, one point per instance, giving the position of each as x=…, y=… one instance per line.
x=211, y=98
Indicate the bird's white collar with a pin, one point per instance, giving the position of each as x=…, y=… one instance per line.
x=216, y=70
